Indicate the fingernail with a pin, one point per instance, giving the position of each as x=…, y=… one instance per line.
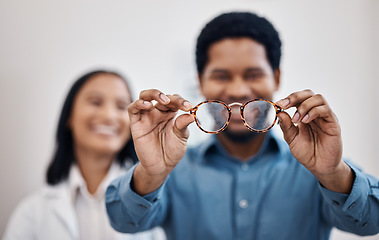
x=147, y=103
x=283, y=102
x=164, y=98
x=305, y=118
x=296, y=117
x=187, y=104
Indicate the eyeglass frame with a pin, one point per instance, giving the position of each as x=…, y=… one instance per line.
x=278, y=109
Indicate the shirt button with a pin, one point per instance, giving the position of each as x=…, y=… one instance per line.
x=142, y=206
x=351, y=206
x=335, y=203
x=244, y=167
x=243, y=204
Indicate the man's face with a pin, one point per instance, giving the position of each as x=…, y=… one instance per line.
x=238, y=70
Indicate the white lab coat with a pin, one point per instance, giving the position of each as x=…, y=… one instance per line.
x=49, y=215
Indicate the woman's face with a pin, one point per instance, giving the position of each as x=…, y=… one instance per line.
x=99, y=119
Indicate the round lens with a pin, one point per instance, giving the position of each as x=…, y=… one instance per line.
x=259, y=115
x=212, y=116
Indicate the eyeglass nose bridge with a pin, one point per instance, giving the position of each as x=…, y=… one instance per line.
x=241, y=110
x=235, y=104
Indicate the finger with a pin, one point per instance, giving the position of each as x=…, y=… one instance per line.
x=138, y=106
x=322, y=111
x=294, y=99
x=304, y=107
x=177, y=102
x=290, y=131
x=154, y=94
x=181, y=125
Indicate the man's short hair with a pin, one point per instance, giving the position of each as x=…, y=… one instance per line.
x=235, y=25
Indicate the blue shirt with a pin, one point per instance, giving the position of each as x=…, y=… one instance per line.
x=211, y=195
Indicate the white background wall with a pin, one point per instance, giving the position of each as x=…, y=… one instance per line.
x=329, y=47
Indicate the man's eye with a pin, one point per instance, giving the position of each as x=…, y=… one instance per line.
x=252, y=76
x=221, y=77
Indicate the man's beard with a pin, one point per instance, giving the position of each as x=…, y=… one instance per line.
x=240, y=137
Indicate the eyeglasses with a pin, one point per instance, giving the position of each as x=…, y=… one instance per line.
x=213, y=116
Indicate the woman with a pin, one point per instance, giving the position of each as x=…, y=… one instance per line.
x=94, y=146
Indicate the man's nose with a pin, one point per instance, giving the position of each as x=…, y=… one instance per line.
x=238, y=89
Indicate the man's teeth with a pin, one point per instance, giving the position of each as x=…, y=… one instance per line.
x=108, y=130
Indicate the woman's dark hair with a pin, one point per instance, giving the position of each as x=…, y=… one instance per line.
x=63, y=157
x=235, y=25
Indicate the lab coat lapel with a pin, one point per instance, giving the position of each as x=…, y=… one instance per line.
x=63, y=208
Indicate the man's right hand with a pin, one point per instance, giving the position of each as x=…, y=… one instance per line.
x=160, y=140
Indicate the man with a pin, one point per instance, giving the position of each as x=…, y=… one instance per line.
x=241, y=184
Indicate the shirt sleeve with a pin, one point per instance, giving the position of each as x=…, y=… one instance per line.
x=129, y=212
x=357, y=212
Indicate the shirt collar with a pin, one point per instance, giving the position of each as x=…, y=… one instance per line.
x=77, y=183
x=75, y=179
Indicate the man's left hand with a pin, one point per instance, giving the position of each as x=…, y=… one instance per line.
x=314, y=137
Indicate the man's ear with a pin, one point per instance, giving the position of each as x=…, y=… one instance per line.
x=277, y=78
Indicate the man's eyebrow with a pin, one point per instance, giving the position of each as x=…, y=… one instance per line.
x=220, y=71
x=254, y=69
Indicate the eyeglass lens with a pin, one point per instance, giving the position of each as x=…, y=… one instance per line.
x=213, y=116
x=259, y=115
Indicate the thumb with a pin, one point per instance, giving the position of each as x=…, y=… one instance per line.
x=181, y=124
x=290, y=131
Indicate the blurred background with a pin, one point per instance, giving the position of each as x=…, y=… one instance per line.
x=330, y=47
